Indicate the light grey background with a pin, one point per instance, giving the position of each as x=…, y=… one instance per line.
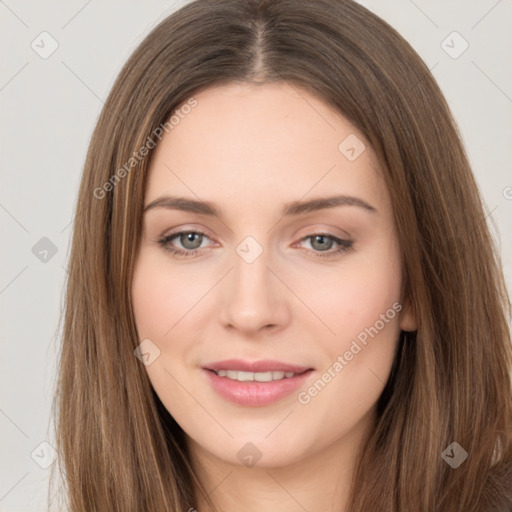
x=49, y=108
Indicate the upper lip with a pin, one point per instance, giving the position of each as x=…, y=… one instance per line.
x=265, y=365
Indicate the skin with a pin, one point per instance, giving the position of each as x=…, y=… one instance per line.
x=250, y=149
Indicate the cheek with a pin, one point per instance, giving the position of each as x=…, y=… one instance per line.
x=151, y=301
x=353, y=297
x=360, y=304
x=162, y=296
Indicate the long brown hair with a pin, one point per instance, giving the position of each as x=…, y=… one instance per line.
x=120, y=450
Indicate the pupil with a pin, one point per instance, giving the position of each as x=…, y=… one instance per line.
x=190, y=238
x=321, y=239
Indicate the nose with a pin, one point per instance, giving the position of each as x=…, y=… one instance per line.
x=254, y=297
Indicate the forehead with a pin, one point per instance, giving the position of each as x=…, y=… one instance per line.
x=253, y=143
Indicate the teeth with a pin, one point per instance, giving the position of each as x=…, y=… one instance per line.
x=257, y=376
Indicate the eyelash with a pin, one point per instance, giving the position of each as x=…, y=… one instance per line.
x=344, y=245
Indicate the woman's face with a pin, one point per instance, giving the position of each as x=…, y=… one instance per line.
x=274, y=275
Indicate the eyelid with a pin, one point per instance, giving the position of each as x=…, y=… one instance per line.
x=330, y=230
x=186, y=229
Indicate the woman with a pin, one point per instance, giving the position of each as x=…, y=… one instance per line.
x=217, y=355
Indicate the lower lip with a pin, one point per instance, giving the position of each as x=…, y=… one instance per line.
x=253, y=393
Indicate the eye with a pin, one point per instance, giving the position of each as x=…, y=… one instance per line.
x=323, y=242
x=191, y=242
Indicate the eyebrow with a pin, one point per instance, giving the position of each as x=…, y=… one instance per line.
x=289, y=209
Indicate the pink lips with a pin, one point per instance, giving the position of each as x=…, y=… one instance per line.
x=266, y=365
x=253, y=393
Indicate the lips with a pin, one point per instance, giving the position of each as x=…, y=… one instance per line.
x=248, y=384
x=266, y=365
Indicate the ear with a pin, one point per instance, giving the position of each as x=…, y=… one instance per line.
x=408, y=317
